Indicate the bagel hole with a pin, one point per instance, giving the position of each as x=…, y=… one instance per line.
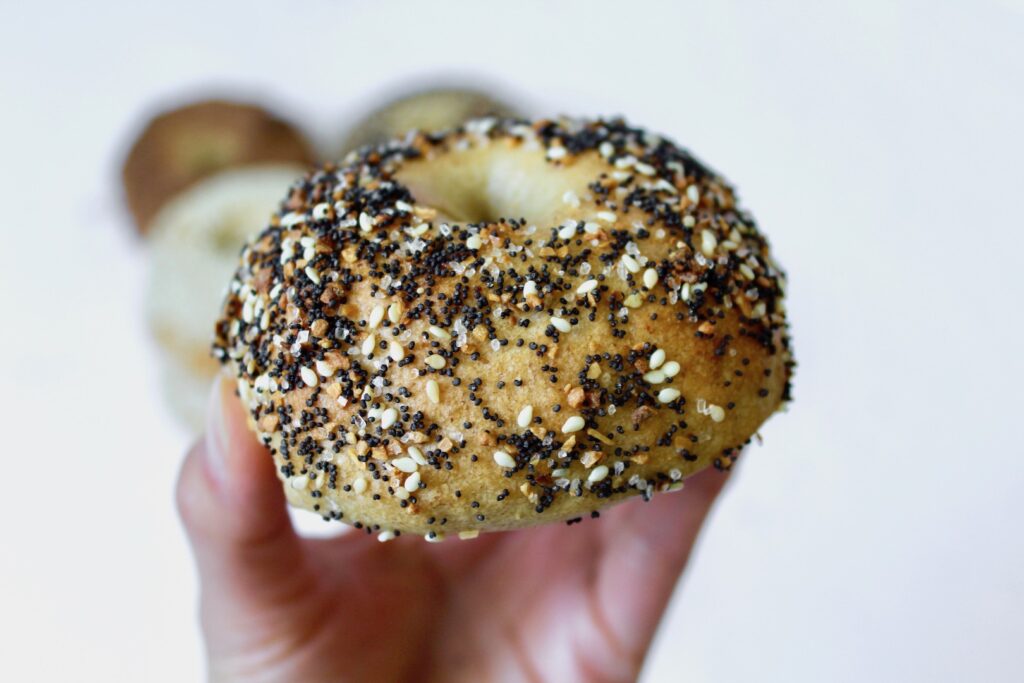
x=482, y=185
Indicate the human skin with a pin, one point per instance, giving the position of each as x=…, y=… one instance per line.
x=551, y=603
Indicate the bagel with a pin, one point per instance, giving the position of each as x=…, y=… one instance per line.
x=428, y=109
x=193, y=243
x=502, y=325
x=182, y=146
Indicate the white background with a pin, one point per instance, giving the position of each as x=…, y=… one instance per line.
x=876, y=536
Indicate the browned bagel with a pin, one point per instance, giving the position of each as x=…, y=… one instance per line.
x=181, y=146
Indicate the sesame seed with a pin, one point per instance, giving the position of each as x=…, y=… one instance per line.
x=587, y=287
x=321, y=211
x=663, y=184
x=646, y=169
x=467, y=535
x=474, y=242
x=433, y=390
x=650, y=278
x=556, y=153
x=386, y=536
x=668, y=395
x=560, y=324
x=248, y=310
x=388, y=418
x=435, y=361
x=407, y=465
x=395, y=313
x=632, y=265
x=412, y=482
x=324, y=369
x=365, y=222
x=657, y=358
x=606, y=149
x=312, y=274
x=607, y=216
x=530, y=288
x=504, y=459
x=708, y=243
x=525, y=417
x=416, y=454
x=693, y=194
x=654, y=377
x=396, y=351
x=747, y=271
x=567, y=231
x=309, y=377
x=689, y=221
x=359, y=485
x=598, y=474
x=375, y=317
x=300, y=482
x=671, y=368
x=287, y=250
x=717, y=413
x=436, y=331
x=292, y=218
x=368, y=345
x=573, y=424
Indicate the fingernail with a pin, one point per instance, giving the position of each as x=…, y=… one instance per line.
x=216, y=433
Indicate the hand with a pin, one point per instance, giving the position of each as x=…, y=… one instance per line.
x=553, y=603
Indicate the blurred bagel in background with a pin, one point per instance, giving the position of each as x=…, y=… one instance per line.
x=194, y=243
x=437, y=108
x=181, y=146
x=198, y=180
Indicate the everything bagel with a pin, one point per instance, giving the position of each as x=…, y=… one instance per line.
x=504, y=324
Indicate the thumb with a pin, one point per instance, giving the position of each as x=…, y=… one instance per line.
x=233, y=509
x=650, y=543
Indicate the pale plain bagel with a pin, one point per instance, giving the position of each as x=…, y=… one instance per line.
x=433, y=108
x=194, y=242
x=502, y=325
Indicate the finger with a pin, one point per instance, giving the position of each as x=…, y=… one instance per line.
x=647, y=545
x=233, y=509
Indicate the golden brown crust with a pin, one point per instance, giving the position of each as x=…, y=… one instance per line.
x=184, y=145
x=434, y=377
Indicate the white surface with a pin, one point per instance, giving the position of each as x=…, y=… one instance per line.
x=875, y=537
